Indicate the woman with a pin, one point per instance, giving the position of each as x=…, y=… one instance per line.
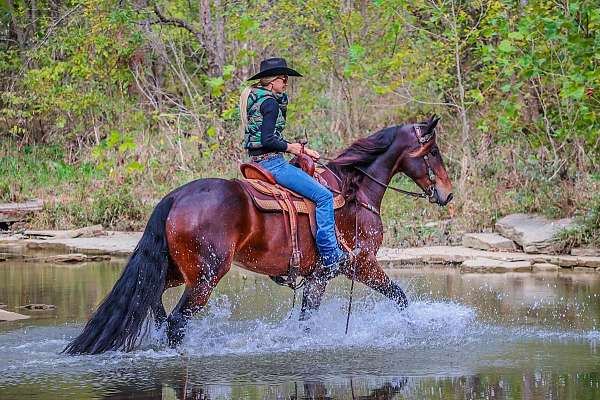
x=263, y=111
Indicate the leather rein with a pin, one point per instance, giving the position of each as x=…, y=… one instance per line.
x=428, y=193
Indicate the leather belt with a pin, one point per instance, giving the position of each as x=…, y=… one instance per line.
x=264, y=157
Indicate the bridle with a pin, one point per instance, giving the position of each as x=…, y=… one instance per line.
x=423, y=140
x=428, y=192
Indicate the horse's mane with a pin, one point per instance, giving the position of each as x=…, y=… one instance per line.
x=361, y=153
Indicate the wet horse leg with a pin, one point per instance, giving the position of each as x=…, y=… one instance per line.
x=160, y=314
x=158, y=309
x=311, y=297
x=372, y=275
x=206, y=274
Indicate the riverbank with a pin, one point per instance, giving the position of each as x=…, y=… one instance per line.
x=122, y=244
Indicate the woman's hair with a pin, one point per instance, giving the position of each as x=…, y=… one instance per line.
x=244, y=98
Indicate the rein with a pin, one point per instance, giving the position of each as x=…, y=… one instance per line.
x=406, y=192
x=429, y=193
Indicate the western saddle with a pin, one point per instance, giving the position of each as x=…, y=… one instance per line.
x=268, y=196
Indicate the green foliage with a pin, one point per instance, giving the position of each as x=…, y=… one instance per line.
x=25, y=171
x=142, y=108
x=586, y=230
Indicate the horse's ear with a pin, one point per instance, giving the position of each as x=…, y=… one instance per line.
x=431, y=124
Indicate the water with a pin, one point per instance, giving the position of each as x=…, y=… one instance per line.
x=489, y=336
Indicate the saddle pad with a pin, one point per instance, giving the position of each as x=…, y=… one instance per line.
x=262, y=194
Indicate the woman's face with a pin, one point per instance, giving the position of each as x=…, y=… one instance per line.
x=279, y=85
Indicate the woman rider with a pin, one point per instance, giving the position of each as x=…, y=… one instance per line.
x=263, y=112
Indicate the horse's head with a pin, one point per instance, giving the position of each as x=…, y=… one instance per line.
x=423, y=163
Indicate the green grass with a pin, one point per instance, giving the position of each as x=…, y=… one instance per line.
x=24, y=171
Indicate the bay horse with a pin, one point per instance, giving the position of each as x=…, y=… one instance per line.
x=198, y=230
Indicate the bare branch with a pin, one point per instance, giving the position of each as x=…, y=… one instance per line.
x=179, y=23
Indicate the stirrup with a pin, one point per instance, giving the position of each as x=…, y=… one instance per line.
x=333, y=270
x=284, y=281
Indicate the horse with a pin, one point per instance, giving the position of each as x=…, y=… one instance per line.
x=196, y=232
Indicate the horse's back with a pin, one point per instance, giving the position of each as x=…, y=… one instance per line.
x=207, y=202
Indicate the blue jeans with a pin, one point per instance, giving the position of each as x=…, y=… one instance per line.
x=300, y=182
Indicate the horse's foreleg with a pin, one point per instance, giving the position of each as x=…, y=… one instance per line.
x=372, y=275
x=311, y=297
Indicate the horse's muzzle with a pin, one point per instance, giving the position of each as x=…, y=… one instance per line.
x=442, y=202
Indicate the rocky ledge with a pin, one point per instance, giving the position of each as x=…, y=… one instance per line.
x=497, y=257
x=468, y=259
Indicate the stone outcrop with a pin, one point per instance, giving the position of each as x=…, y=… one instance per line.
x=535, y=234
x=488, y=241
x=547, y=267
x=39, y=307
x=11, y=316
x=86, y=232
x=481, y=264
x=453, y=255
x=585, y=252
x=67, y=258
x=111, y=243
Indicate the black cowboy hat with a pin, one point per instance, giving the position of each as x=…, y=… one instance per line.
x=274, y=67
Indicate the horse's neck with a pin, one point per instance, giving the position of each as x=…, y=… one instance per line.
x=371, y=191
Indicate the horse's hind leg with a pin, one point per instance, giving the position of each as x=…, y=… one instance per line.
x=205, y=273
x=158, y=308
x=160, y=314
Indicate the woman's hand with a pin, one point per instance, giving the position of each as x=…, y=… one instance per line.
x=296, y=148
x=312, y=153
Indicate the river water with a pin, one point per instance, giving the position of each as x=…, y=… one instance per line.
x=464, y=336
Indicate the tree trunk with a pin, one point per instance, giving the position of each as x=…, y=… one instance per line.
x=220, y=35
x=210, y=40
x=18, y=32
x=54, y=6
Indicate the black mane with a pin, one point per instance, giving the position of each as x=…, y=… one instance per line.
x=361, y=153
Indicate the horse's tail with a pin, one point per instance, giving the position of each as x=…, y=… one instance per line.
x=117, y=323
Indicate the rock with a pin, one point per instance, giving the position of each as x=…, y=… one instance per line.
x=534, y=233
x=442, y=259
x=68, y=258
x=545, y=267
x=87, y=232
x=567, y=261
x=39, y=307
x=490, y=265
x=12, y=256
x=585, y=251
x=54, y=246
x=590, y=262
x=487, y=241
x=11, y=316
x=584, y=269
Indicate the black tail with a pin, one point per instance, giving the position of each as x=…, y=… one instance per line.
x=117, y=323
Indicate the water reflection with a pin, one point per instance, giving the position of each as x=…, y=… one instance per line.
x=465, y=336
x=185, y=389
x=492, y=386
